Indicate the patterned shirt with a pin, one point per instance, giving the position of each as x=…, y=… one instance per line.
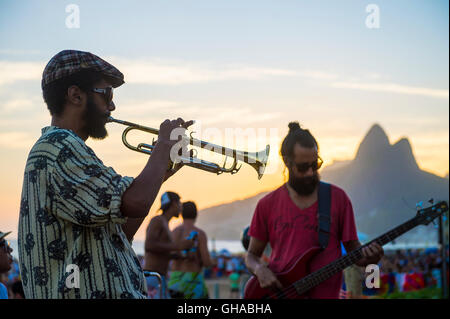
x=70, y=215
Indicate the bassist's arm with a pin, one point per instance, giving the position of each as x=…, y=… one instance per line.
x=254, y=263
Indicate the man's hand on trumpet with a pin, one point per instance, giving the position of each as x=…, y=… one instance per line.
x=167, y=133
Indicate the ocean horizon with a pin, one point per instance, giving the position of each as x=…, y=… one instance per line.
x=235, y=246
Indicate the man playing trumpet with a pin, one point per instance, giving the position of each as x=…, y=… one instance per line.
x=74, y=210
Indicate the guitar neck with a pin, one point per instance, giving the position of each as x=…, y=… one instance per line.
x=315, y=278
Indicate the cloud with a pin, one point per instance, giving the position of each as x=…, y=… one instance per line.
x=162, y=72
x=392, y=88
x=19, y=52
x=181, y=72
x=155, y=111
x=319, y=75
x=145, y=107
x=11, y=71
x=16, y=105
x=154, y=71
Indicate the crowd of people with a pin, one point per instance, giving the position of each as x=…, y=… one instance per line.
x=413, y=269
x=77, y=212
x=400, y=271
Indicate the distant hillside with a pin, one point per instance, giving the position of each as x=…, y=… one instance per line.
x=227, y=221
x=383, y=181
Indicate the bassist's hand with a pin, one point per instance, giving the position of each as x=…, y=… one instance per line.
x=267, y=279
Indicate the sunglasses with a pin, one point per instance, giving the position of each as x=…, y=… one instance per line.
x=107, y=93
x=304, y=167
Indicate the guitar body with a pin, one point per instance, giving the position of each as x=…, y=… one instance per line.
x=300, y=269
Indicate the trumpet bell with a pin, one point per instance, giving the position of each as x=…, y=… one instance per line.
x=261, y=161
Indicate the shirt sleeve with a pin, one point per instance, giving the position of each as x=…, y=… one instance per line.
x=88, y=193
x=258, y=226
x=347, y=220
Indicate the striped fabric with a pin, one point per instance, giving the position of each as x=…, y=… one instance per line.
x=70, y=215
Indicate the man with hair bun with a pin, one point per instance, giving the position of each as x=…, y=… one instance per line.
x=287, y=218
x=160, y=246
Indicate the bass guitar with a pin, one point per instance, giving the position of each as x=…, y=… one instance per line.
x=297, y=281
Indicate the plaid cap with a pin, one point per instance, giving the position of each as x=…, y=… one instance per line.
x=3, y=235
x=68, y=62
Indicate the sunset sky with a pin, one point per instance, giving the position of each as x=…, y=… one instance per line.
x=235, y=67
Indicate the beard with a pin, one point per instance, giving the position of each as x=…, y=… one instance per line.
x=304, y=186
x=95, y=120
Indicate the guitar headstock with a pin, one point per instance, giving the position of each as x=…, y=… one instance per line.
x=427, y=215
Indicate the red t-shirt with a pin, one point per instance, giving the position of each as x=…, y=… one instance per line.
x=292, y=231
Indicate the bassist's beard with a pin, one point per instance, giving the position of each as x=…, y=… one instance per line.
x=304, y=186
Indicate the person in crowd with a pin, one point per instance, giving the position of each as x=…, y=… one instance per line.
x=5, y=261
x=161, y=247
x=186, y=277
x=234, y=279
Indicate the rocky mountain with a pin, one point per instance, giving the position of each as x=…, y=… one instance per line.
x=383, y=181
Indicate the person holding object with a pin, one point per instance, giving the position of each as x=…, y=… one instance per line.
x=288, y=219
x=75, y=212
x=160, y=246
x=6, y=261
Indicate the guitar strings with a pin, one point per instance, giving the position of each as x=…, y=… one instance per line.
x=322, y=274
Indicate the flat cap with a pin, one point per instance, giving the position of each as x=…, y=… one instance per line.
x=69, y=62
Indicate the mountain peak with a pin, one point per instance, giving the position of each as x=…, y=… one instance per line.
x=375, y=142
x=404, y=150
x=377, y=133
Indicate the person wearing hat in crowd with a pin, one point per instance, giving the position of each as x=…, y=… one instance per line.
x=5, y=262
x=160, y=246
x=186, y=277
x=76, y=211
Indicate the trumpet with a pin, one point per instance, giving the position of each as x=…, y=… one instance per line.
x=257, y=160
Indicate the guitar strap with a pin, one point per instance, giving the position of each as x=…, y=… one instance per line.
x=324, y=214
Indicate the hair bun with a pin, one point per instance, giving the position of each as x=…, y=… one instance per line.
x=293, y=126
